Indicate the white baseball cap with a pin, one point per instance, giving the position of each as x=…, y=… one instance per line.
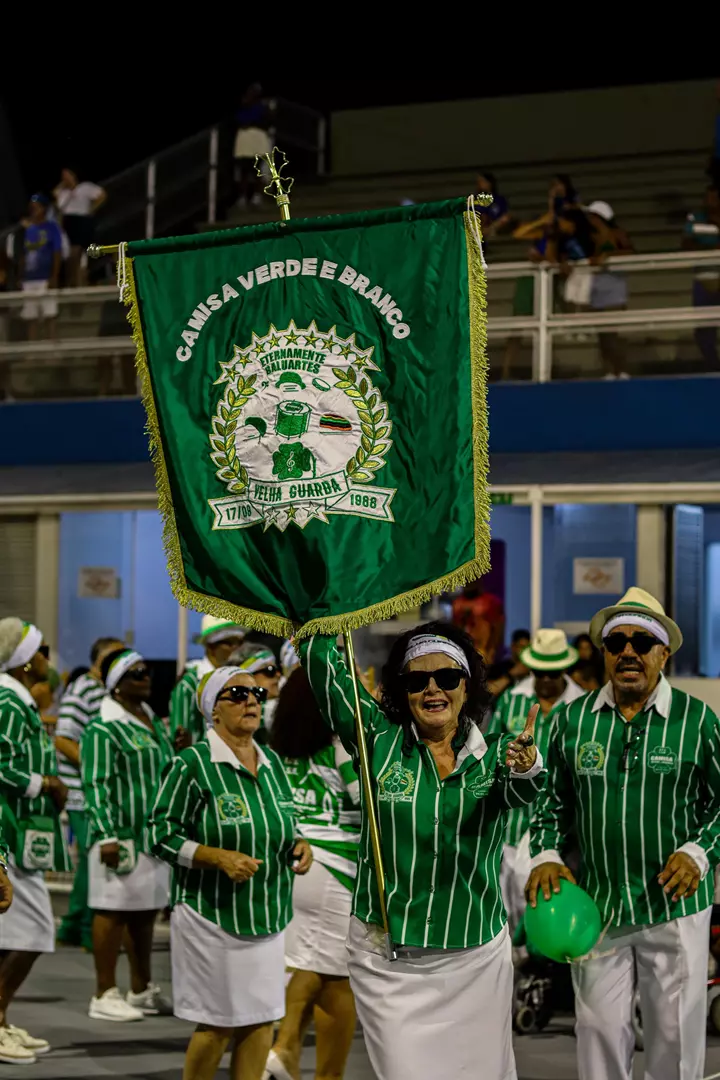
x=602, y=209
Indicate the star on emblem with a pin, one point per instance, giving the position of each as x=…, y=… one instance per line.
x=291, y=337
x=345, y=350
x=310, y=339
x=274, y=342
x=232, y=368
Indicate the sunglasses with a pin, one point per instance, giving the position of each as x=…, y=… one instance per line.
x=239, y=694
x=446, y=678
x=269, y=672
x=631, y=753
x=137, y=674
x=44, y=650
x=641, y=643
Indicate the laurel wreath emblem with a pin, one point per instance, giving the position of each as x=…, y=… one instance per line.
x=224, y=425
x=375, y=425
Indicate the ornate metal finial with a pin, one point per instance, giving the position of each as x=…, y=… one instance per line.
x=282, y=185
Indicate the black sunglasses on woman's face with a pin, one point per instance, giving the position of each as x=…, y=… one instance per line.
x=446, y=678
x=240, y=694
x=137, y=674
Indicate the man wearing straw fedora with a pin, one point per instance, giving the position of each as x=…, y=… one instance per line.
x=637, y=766
x=219, y=638
x=548, y=657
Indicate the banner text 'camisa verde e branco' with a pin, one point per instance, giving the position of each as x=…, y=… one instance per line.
x=315, y=392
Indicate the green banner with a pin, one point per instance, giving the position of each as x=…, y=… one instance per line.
x=315, y=392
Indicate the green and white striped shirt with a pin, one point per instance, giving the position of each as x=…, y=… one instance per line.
x=122, y=761
x=441, y=840
x=630, y=820
x=509, y=716
x=207, y=797
x=327, y=796
x=27, y=754
x=80, y=704
x=184, y=711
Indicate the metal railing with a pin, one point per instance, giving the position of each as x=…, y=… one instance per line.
x=92, y=326
x=192, y=181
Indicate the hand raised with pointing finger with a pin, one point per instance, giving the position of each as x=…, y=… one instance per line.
x=521, y=753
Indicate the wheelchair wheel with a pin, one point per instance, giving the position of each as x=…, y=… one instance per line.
x=524, y=1020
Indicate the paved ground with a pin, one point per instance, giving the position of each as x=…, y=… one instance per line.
x=54, y=1004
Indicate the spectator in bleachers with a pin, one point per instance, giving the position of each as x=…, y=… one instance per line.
x=702, y=232
x=77, y=201
x=251, y=141
x=40, y=268
x=494, y=218
x=608, y=288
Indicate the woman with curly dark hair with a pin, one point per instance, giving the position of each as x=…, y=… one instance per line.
x=442, y=792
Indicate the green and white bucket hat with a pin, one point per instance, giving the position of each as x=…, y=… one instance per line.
x=549, y=651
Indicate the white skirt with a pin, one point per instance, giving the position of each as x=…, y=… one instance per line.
x=146, y=888
x=316, y=938
x=434, y=1012
x=251, y=141
x=28, y=924
x=224, y=980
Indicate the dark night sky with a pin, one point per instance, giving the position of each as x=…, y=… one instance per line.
x=104, y=132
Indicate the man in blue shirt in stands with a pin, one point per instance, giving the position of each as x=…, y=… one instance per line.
x=41, y=259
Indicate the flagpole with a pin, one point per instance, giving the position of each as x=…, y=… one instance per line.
x=279, y=188
x=369, y=797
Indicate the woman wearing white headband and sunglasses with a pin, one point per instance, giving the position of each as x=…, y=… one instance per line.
x=224, y=819
x=442, y=793
x=124, y=751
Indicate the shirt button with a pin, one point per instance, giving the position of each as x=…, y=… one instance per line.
x=429, y=921
x=435, y=854
x=436, y=821
x=432, y=889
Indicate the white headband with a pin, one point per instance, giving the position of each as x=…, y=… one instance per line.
x=646, y=622
x=210, y=687
x=225, y=632
x=422, y=644
x=28, y=645
x=120, y=667
x=258, y=661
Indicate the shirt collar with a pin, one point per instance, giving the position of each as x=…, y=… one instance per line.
x=474, y=744
x=110, y=709
x=660, y=699
x=18, y=689
x=221, y=753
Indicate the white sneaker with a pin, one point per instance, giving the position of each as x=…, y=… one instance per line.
x=11, y=1050
x=113, y=1006
x=274, y=1068
x=35, y=1046
x=152, y=1001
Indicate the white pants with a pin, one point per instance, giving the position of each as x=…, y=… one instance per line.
x=514, y=872
x=434, y=1013
x=671, y=963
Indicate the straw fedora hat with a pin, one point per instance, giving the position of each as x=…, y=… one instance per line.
x=549, y=651
x=211, y=627
x=638, y=602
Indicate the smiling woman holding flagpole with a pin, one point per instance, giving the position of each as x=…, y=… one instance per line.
x=442, y=794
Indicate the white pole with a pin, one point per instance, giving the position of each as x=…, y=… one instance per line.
x=150, y=200
x=536, y=539
x=213, y=175
x=544, y=362
x=182, y=638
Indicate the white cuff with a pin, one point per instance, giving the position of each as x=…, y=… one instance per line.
x=186, y=854
x=534, y=769
x=35, y=786
x=697, y=854
x=546, y=856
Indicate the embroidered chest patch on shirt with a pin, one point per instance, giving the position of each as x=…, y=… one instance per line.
x=480, y=785
x=662, y=759
x=396, y=784
x=143, y=740
x=232, y=808
x=591, y=759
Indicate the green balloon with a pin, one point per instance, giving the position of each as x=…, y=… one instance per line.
x=566, y=926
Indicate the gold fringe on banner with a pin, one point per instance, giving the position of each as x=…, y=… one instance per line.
x=352, y=620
